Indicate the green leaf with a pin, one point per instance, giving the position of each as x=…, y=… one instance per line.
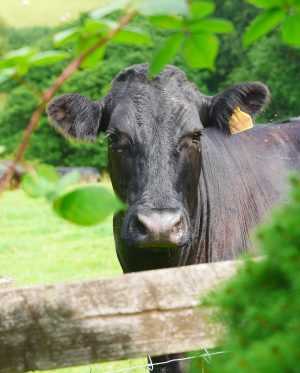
x=46, y=182
x=290, y=30
x=200, y=50
x=66, y=181
x=262, y=25
x=166, y=53
x=110, y=8
x=6, y=74
x=47, y=172
x=16, y=57
x=93, y=27
x=128, y=34
x=94, y=59
x=36, y=186
x=212, y=25
x=295, y=5
x=66, y=36
x=86, y=205
x=107, y=24
x=18, y=54
x=162, y=7
x=167, y=22
x=200, y=9
x=267, y=3
x=2, y=149
x=46, y=58
x=131, y=35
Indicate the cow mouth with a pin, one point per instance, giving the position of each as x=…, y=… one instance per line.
x=166, y=249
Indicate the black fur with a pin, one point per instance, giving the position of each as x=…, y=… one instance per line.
x=76, y=116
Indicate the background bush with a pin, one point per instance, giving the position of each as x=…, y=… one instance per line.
x=260, y=307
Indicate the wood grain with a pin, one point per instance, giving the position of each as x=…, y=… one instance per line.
x=139, y=314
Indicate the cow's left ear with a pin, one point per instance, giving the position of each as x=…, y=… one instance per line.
x=233, y=109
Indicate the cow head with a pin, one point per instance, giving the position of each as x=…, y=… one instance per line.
x=154, y=129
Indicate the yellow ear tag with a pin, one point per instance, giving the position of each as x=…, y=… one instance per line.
x=239, y=121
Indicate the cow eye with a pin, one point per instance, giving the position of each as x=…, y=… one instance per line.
x=112, y=138
x=117, y=143
x=196, y=138
x=192, y=139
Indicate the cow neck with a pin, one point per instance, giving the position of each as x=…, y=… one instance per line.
x=227, y=207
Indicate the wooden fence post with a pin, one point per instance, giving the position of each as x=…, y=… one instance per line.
x=138, y=314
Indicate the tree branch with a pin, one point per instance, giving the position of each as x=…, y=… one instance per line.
x=47, y=96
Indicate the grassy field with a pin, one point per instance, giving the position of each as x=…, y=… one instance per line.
x=29, y=13
x=37, y=247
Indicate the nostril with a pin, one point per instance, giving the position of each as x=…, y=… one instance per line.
x=141, y=227
x=177, y=228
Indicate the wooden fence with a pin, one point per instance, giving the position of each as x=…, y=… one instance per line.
x=139, y=314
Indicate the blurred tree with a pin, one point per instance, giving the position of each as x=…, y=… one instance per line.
x=3, y=39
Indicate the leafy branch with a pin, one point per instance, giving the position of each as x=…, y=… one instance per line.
x=65, y=74
x=283, y=13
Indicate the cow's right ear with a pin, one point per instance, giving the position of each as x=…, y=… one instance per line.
x=76, y=116
x=233, y=109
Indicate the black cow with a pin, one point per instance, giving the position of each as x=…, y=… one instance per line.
x=194, y=190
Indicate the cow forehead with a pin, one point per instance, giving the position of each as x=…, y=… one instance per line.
x=142, y=106
x=159, y=116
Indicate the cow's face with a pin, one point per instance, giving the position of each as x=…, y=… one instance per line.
x=154, y=129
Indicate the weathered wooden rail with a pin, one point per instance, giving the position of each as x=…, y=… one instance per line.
x=140, y=314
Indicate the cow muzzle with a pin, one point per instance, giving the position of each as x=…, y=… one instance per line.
x=158, y=229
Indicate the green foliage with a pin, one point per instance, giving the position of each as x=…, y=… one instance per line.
x=158, y=7
x=87, y=205
x=6, y=74
x=3, y=39
x=65, y=36
x=166, y=53
x=193, y=35
x=2, y=149
x=16, y=112
x=277, y=65
x=291, y=30
x=17, y=62
x=286, y=13
x=189, y=37
x=200, y=50
x=263, y=24
x=201, y=8
x=110, y=8
x=18, y=38
x=44, y=181
x=82, y=205
x=260, y=307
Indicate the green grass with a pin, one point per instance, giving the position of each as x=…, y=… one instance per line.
x=37, y=247
x=44, y=12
